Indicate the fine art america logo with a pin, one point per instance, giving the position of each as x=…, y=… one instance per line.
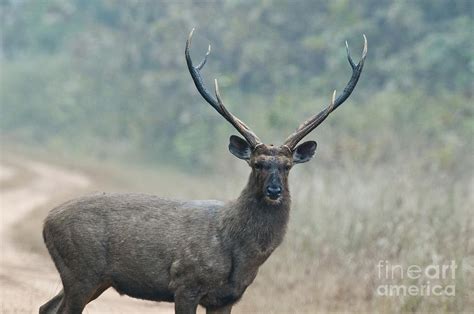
x=428, y=280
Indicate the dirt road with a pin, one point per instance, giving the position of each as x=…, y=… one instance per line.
x=28, y=279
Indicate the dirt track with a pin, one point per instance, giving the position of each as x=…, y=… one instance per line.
x=27, y=279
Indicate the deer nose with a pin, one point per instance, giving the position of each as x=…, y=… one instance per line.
x=273, y=191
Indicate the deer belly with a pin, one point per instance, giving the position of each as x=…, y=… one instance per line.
x=143, y=279
x=143, y=288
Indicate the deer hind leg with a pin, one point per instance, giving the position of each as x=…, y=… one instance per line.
x=80, y=286
x=78, y=294
x=62, y=304
x=52, y=306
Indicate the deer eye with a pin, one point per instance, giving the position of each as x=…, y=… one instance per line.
x=287, y=167
x=258, y=166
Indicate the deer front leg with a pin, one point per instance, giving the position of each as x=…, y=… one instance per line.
x=185, y=301
x=222, y=310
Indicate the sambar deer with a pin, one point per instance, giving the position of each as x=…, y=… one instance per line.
x=187, y=252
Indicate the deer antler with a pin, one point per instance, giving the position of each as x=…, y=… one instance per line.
x=310, y=124
x=218, y=105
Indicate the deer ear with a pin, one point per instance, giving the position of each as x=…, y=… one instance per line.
x=239, y=147
x=304, y=152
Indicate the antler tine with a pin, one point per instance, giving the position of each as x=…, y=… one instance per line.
x=317, y=119
x=218, y=105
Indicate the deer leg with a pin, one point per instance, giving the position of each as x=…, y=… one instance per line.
x=78, y=293
x=76, y=298
x=222, y=310
x=186, y=301
x=52, y=305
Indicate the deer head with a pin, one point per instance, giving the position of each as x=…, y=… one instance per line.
x=271, y=164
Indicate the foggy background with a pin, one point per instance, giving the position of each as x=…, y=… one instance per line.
x=101, y=88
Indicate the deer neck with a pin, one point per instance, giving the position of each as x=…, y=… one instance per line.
x=259, y=225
